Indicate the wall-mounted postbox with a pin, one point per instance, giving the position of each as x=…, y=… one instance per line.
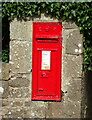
x=46, y=61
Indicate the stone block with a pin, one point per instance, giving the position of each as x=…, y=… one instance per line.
x=15, y=112
x=22, y=92
x=1, y=102
x=69, y=25
x=5, y=71
x=16, y=102
x=65, y=36
x=72, y=66
x=67, y=108
x=74, y=43
x=24, y=75
x=13, y=76
x=21, y=30
x=36, y=109
x=19, y=82
x=74, y=90
x=20, y=56
x=3, y=112
x=4, y=102
x=4, y=89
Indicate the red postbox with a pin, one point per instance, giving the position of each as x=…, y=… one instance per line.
x=46, y=61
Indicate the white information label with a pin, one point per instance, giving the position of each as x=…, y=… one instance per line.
x=46, y=60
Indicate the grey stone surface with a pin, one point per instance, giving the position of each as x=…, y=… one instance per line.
x=72, y=66
x=4, y=102
x=24, y=75
x=74, y=90
x=5, y=71
x=74, y=43
x=63, y=110
x=34, y=110
x=22, y=92
x=16, y=102
x=20, y=30
x=69, y=25
x=3, y=112
x=20, y=56
x=5, y=87
x=19, y=82
x=15, y=112
x=14, y=76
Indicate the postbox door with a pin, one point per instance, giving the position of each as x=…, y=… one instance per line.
x=47, y=72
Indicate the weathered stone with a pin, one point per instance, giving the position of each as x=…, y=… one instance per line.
x=5, y=87
x=21, y=30
x=74, y=90
x=22, y=92
x=19, y=82
x=20, y=56
x=65, y=36
x=36, y=109
x=15, y=112
x=64, y=109
x=5, y=71
x=72, y=66
x=0, y=102
x=4, y=102
x=12, y=75
x=3, y=112
x=16, y=102
x=69, y=25
x=74, y=43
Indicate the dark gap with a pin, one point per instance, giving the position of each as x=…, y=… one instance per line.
x=46, y=39
x=5, y=40
x=89, y=93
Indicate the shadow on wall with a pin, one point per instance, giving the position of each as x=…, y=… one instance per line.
x=88, y=75
x=5, y=40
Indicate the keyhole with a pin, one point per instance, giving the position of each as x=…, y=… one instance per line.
x=43, y=74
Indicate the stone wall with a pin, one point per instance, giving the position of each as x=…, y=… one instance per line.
x=17, y=77
x=4, y=88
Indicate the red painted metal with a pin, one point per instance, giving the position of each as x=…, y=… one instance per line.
x=46, y=61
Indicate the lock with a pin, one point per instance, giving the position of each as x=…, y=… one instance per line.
x=43, y=74
x=41, y=89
